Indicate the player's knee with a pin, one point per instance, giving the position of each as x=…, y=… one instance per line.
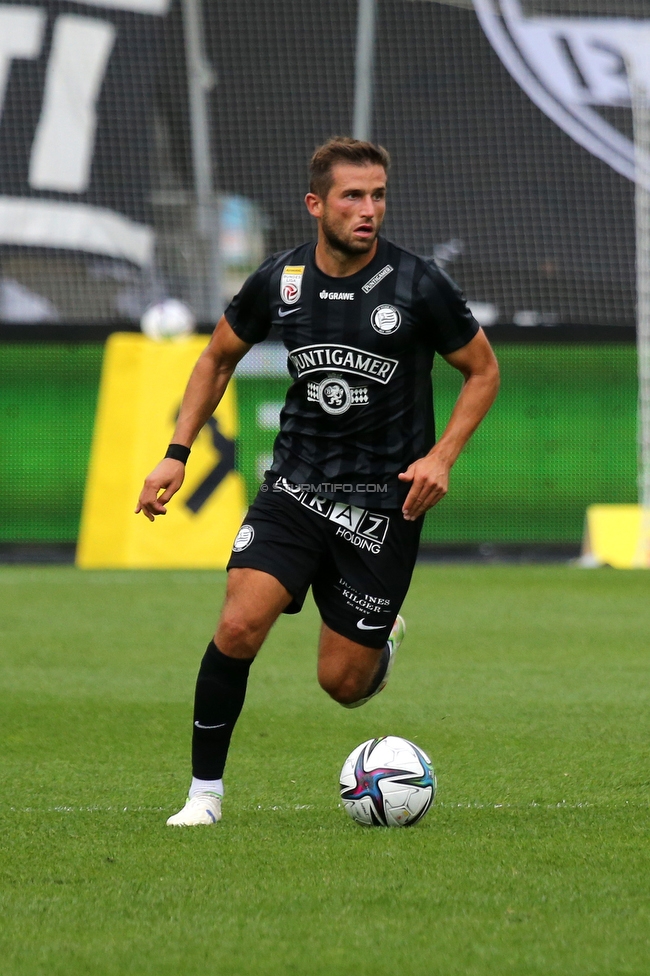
x=344, y=688
x=236, y=633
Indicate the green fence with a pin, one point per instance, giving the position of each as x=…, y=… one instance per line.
x=48, y=393
x=561, y=436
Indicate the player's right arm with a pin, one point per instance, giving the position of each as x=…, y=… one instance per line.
x=204, y=391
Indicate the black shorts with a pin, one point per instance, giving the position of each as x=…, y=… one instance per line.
x=359, y=562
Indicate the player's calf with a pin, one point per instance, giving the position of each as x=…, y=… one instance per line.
x=380, y=679
x=352, y=673
x=346, y=688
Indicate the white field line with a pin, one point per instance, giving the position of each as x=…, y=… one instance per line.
x=562, y=805
x=138, y=809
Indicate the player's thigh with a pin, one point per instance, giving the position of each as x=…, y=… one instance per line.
x=254, y=601
x=282, y=538
x=360, y=588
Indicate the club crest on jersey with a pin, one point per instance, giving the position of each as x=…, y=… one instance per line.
x=291, y=283
x=244, y=538
x=335, y=395
x=385, y=319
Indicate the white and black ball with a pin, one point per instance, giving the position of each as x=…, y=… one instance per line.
x=169, y=319
x=387, y=782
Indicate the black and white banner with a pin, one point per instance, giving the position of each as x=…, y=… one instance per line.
x=572, y=66
x=75, y=100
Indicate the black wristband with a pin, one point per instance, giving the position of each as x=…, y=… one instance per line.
x=178, y=452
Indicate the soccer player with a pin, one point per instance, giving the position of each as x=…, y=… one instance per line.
x=355, y=464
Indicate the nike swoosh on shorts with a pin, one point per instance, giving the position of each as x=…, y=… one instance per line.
x=364, y=626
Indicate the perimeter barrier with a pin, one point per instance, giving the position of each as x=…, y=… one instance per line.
x=561, y=436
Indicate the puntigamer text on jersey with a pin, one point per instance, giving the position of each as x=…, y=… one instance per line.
x=308, y=359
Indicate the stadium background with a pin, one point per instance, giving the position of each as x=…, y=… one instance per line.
x=537, y=231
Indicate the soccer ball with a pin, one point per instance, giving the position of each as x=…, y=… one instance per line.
x=169, y=319
x=387, y=782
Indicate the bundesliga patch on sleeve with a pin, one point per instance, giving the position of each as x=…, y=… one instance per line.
x=291, y=283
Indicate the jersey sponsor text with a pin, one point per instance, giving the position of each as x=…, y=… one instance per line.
x=359, y=526
x=337, y=296
x=347, y=359
x=369, y=285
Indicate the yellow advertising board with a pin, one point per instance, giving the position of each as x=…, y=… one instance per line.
x=617, y=536
x=140, y=393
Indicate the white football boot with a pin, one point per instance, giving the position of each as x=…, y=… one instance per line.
x=204, y=808
x=395, y=638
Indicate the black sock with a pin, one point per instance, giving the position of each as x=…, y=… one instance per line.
x=380, y=672
x=218, y=701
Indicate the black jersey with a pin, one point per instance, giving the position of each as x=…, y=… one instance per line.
x=361, y=348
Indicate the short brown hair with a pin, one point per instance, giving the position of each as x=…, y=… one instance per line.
x=342, y=149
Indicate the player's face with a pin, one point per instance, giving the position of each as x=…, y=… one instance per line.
x=354, y=208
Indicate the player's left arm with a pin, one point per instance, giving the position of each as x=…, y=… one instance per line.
x=429, y=476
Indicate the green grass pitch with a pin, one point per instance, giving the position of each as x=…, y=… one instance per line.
x=527, y=685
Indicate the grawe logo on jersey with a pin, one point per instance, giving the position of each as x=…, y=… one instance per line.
x=291, y=283
x=337, y=296
x=573, y=66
